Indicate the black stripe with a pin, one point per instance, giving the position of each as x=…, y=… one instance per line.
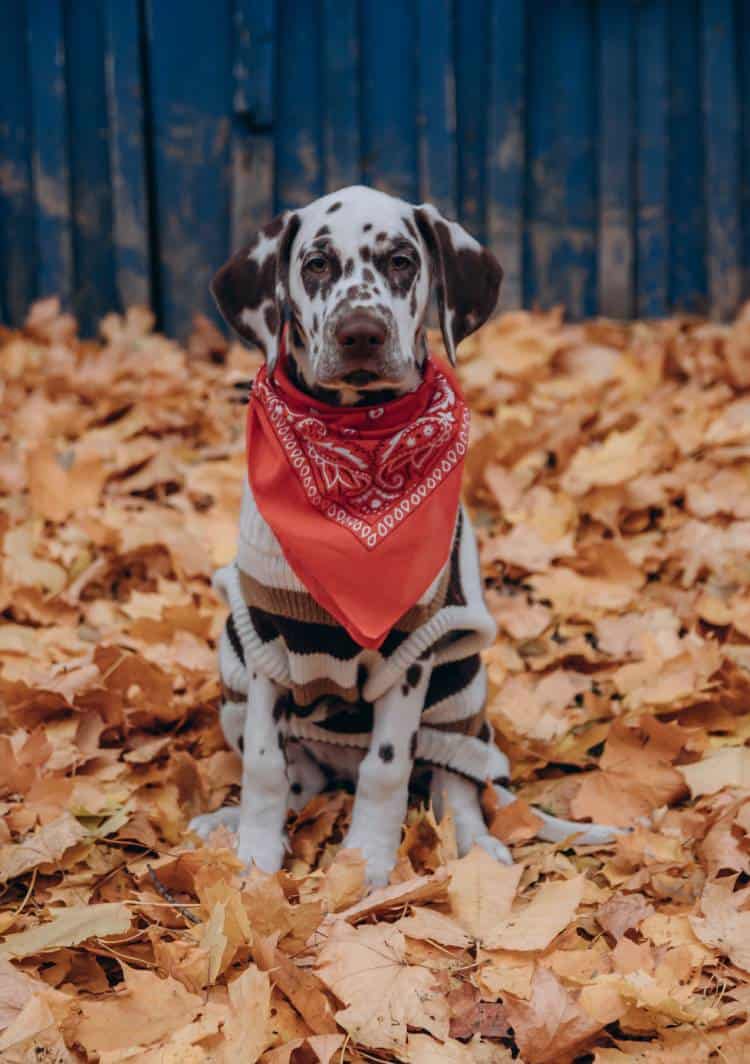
x=447, y=680
x=234, y=638
x=455, y=594
x=356, y=721
x=304, y=637
x=392, y=642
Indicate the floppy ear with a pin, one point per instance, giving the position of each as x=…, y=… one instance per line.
x=251, y=290
x=467, y=276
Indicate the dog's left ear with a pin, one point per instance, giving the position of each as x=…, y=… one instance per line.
x=251, y=289
x=467, y=276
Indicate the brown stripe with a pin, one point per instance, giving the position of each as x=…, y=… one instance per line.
x=304, y=694
x=471, y=726
x=301, y=606
x=297, y=605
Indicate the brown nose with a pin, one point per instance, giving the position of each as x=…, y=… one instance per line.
x=360, y=336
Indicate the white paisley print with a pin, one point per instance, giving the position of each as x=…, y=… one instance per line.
x=370, y=485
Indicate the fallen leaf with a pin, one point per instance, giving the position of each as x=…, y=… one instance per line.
x=726, y=767
x=533, y=927
x=365, y=968
x=73, y=925
x=481, y=892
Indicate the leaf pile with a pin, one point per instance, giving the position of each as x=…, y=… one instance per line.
x=609, y=479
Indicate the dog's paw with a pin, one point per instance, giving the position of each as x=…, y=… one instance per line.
x=379, y=858
x=262, y=850
x=494, y=848
x=228, y=817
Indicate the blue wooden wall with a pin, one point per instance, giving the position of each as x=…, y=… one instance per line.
x=602, y=149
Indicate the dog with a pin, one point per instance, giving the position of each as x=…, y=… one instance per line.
x=340, y=291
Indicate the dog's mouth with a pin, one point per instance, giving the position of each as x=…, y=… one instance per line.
x=358, y=378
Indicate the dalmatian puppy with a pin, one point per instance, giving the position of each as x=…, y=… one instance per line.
x=347, y=280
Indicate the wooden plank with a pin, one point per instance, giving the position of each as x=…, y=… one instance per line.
x=436, y=105
x=389, y=94
x=687, y=283
x=341, y=163
x=190, y=78
x=721, y=133
x=299, y=127
x=255, y=61
x=125, y=102
x=17, y=277
x=652, y=139
x=49, y=123
x=560, y=263
x=615, y=264
x=472, y=21
x=505, y=145
x=254, y=101
x=743, y=37
x=93, y=259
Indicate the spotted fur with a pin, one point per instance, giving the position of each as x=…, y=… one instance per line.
x=357, y=250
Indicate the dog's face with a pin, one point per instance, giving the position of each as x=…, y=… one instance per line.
x=352, y=273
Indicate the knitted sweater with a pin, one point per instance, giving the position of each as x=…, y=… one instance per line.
x=278, y=629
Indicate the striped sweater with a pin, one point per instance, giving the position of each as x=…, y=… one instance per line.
x=276, y=628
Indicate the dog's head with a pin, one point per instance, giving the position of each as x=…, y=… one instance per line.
x=351, y=274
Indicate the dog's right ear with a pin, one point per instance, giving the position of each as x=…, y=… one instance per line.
x=251, y=289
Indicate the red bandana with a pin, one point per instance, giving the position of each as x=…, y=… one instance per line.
x=362, y=500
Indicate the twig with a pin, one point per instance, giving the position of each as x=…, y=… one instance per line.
x=171, y=898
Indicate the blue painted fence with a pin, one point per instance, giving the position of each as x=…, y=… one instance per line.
x=602, y=149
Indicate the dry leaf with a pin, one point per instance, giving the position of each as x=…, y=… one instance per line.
x=481, y=892
x=533, y=927
x=551, y=1025
x=73, y=925
x=726, y=767
x=365, y=968
x=44, y=846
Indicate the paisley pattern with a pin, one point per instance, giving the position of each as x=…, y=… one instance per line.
x=369, y=481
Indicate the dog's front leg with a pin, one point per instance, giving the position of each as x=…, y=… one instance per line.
x=265, y=786
x=383, y=781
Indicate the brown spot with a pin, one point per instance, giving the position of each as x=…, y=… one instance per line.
x=367, y=228
x=364, y=253
x=334, y=207
x=381, y=236
x=348, y=267
x=413, y=745
x=468, y=279
x=410, y=227
x=368, y=275
x=413, y=675
x=385, y=752
x=323, y=231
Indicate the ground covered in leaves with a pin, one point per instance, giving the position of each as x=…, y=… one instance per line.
x=609, y=477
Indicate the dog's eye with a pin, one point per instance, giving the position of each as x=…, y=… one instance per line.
x=317, y=264
x=400, y=262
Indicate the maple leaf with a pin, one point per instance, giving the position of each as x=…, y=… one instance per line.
x=365, y=968
x=724, y=924
x=145, y=1011
x=481, y=892
x=42, y=847
x=73, y=925
x=533, y=927
x=551, y=1025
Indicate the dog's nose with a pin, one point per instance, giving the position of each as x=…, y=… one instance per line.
x=360, y=336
